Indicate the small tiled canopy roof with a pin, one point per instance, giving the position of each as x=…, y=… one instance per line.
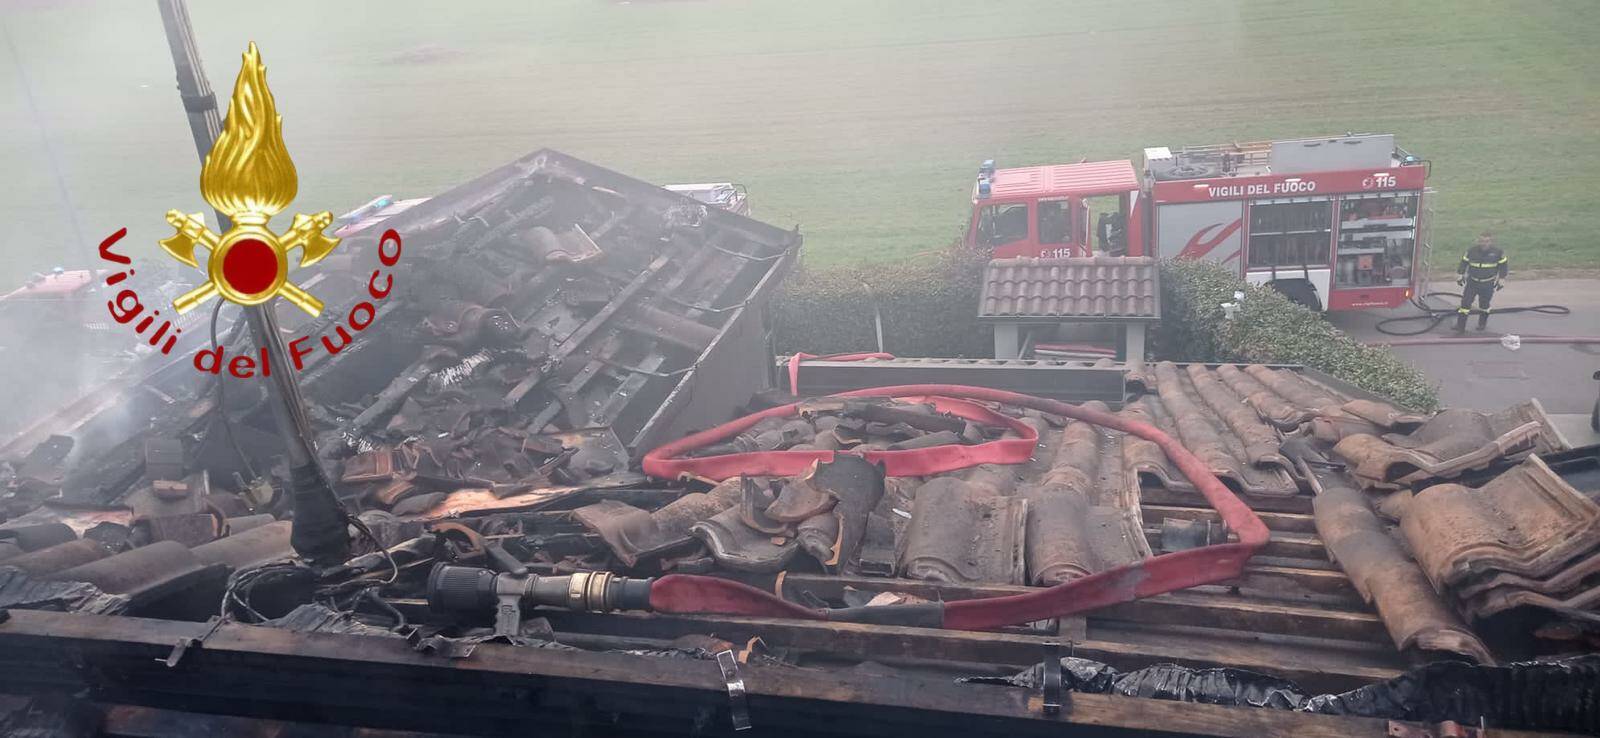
x=1077, y=289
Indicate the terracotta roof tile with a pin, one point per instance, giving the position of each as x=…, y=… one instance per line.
x=1080, y=288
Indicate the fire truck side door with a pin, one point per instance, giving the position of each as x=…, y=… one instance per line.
x=1002, y=223
x=982, y=229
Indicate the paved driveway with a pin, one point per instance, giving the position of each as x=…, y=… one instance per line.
x=1491, y=376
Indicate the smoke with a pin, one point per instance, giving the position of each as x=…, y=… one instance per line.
x=64, y=358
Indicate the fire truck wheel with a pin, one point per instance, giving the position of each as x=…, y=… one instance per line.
x=1299, y=292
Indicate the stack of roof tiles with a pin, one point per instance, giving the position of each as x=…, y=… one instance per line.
x=1527, y=538
x=1493, y=526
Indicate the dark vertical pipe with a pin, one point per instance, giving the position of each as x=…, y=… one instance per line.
x=319, y=523
x=199, y=102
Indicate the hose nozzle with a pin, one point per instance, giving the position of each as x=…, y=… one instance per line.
x=470, y=589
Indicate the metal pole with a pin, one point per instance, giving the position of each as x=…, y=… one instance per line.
x=319, y=525
x=205, y=121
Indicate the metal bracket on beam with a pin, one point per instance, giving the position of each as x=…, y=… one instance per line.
x=183, y=645
x=1054, y=701
x=508, y=615
x=735, y=684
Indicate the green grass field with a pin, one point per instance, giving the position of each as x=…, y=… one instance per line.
x=861, y=121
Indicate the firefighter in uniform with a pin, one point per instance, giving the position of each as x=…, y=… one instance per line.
x=1481, y=271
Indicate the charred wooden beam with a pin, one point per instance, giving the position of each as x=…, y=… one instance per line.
x=1154, y=495
x=1320, y=669
x=500, y=689
x=674, y=329
x=131, y=721
x=1285, y=545
x=1188, y=608
x=1276, y=521
x=581, y=336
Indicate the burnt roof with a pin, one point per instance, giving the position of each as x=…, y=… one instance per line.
x=549, y=294
x=1089, y=500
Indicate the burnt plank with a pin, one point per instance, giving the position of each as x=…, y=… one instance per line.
x=1147, y=637
x=1324, y=670
x=1264, y=576
x=1295, y=545
x=1260, y=503
x=635, y=382
x=1285, y=545
x=1276, y=521
x=1237, y=613
x=590, y=327
x=132, y=721
x=382, y=682
x=1295, y=562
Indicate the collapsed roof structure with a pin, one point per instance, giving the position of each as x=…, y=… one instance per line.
x=565, y=523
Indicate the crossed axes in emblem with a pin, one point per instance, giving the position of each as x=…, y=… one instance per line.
x=305, y=233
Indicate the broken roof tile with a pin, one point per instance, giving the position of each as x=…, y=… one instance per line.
x=1526, y=521
x=1452, y=442
x=1414, y=614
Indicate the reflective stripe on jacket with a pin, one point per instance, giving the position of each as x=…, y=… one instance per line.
x=1484, y=264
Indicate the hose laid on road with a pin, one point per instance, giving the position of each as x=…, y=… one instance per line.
x=688, y=593
x=1448, y=341
x=1435, y=316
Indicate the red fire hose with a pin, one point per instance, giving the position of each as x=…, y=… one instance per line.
x=681, y=593
x=916, y=462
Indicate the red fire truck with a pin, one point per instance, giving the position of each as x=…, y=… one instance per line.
x=1334, y=223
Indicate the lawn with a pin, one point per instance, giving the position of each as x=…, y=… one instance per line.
x=863, y=122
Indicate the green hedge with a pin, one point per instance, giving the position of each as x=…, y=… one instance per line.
x=1267, y=328
x=929, y=308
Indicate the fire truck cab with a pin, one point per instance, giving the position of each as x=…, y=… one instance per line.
x=1041, y=211
x=1334, y=223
